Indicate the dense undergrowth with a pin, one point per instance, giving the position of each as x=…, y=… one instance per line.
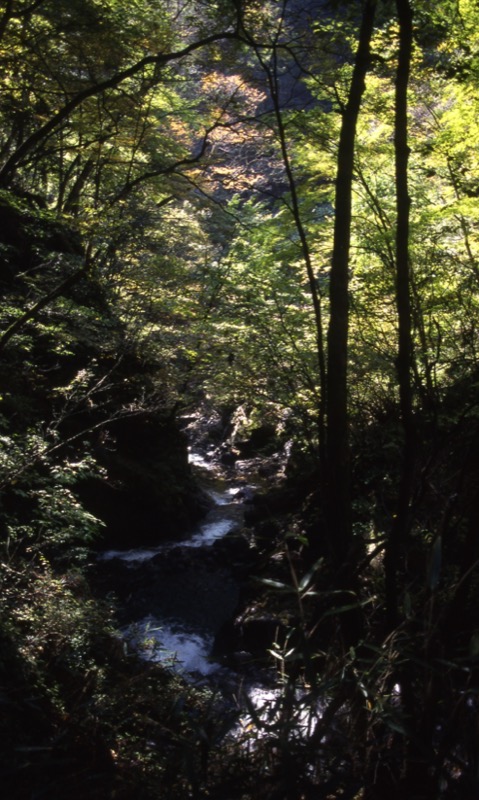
x=84, y=428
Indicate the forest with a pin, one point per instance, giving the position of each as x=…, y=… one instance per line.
x=247, y=230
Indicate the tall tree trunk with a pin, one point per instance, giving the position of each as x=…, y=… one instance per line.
x=401, y=524
x=416, y=779
x=337, y=472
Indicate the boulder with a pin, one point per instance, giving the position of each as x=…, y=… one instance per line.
x=149, y=493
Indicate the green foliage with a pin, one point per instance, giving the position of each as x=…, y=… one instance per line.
x=58, y=525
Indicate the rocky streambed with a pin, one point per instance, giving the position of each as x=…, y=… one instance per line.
x=183, y=603
x=175, y=600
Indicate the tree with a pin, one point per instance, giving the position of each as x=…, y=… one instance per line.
x=271, y=64
x=400, y=527
x=336, y=471
x=69, y=92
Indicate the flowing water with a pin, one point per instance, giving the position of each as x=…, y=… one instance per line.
x=181, y=595
x=191, y=597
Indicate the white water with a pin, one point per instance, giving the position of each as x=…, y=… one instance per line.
x=266, y=713
x=186, y=651
x=223, y=498
x=269, y=713
x=206, y=536
x=197, y=460
x=208, y=533
x=137, y=554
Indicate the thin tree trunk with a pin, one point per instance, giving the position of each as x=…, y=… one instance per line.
x=398, y=535
x=273, y=83
x=338, y=478
x=416, y=779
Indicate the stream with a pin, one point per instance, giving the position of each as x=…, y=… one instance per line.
x=175, y=597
